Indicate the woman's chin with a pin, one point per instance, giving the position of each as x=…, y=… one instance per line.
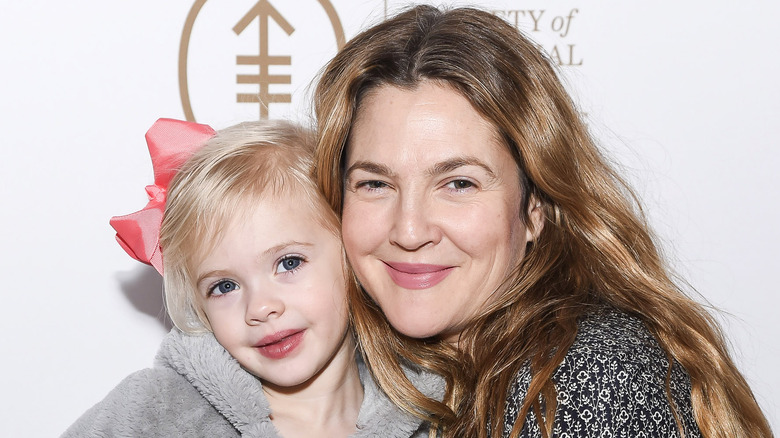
x=420, y=327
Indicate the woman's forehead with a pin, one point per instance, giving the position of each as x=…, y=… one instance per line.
x=430, y=123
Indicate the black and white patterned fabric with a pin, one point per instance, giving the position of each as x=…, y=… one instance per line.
x=611, y=384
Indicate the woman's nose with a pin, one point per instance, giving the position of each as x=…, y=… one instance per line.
x=414, y=224
x=262, y=307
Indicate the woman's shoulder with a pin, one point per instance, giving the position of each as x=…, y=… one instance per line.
x=608, y=340
x=620, y=336
x=613, y=378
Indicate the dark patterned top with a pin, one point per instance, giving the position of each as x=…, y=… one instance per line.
x=611, y=384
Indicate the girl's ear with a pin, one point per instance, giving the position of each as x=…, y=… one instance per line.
x=535, y=219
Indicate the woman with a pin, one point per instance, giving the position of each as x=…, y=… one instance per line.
x=497, y=247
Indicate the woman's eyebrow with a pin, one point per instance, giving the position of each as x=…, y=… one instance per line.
x=370, y=167
x=437, y=169
x=454, y=163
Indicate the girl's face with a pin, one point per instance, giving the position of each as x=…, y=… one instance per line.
x=431, y=216
x=274, y=292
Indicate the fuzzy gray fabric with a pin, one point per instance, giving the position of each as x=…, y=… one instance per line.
x=197, y=389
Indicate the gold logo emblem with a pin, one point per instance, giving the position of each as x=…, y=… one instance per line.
x=555, y=30
x=252, y=59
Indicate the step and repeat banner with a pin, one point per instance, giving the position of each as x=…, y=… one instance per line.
x=683, y=97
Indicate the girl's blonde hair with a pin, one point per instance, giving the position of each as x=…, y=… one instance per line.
x=220, y=183
x=595, y=249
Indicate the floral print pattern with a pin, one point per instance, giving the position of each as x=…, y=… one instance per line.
x=611, y=384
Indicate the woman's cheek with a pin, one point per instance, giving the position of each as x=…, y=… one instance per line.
x=357, y=229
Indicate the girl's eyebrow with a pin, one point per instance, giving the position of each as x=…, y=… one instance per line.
x=211, y=274
x=284, y=245
x=271, y=250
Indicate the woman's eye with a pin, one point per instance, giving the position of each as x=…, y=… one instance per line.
x=460, y=184
x=223, y=287
x=288, y=264
x=372, y=185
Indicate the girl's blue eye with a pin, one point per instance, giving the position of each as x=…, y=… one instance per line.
x=288, y=264
x=223, y=287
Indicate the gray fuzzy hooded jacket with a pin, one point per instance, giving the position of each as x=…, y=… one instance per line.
x=197, y=389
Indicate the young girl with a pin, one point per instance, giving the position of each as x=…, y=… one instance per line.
x=256, y=284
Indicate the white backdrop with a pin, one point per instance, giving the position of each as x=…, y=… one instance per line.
x=684, y=95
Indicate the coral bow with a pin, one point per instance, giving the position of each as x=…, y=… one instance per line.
x=171, y=143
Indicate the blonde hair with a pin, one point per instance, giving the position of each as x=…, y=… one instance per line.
x=240, y=166
x=594, y=251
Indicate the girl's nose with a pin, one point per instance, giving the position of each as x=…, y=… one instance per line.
x=262, y=307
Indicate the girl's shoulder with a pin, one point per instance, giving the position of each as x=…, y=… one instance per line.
x=195, y=389
x=613, y=378
x=153, y=402
x=379, y=416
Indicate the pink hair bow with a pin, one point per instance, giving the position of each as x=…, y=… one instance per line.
x=171, y=143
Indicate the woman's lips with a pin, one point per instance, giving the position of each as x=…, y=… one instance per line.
x=281, y=344
x=417, y=275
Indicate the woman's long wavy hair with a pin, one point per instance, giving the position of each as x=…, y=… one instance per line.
x=595, y=249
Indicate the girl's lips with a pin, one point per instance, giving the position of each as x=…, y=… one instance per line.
x=417, y=275
x=281, y=344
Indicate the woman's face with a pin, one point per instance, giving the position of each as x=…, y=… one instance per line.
x=431, y=218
